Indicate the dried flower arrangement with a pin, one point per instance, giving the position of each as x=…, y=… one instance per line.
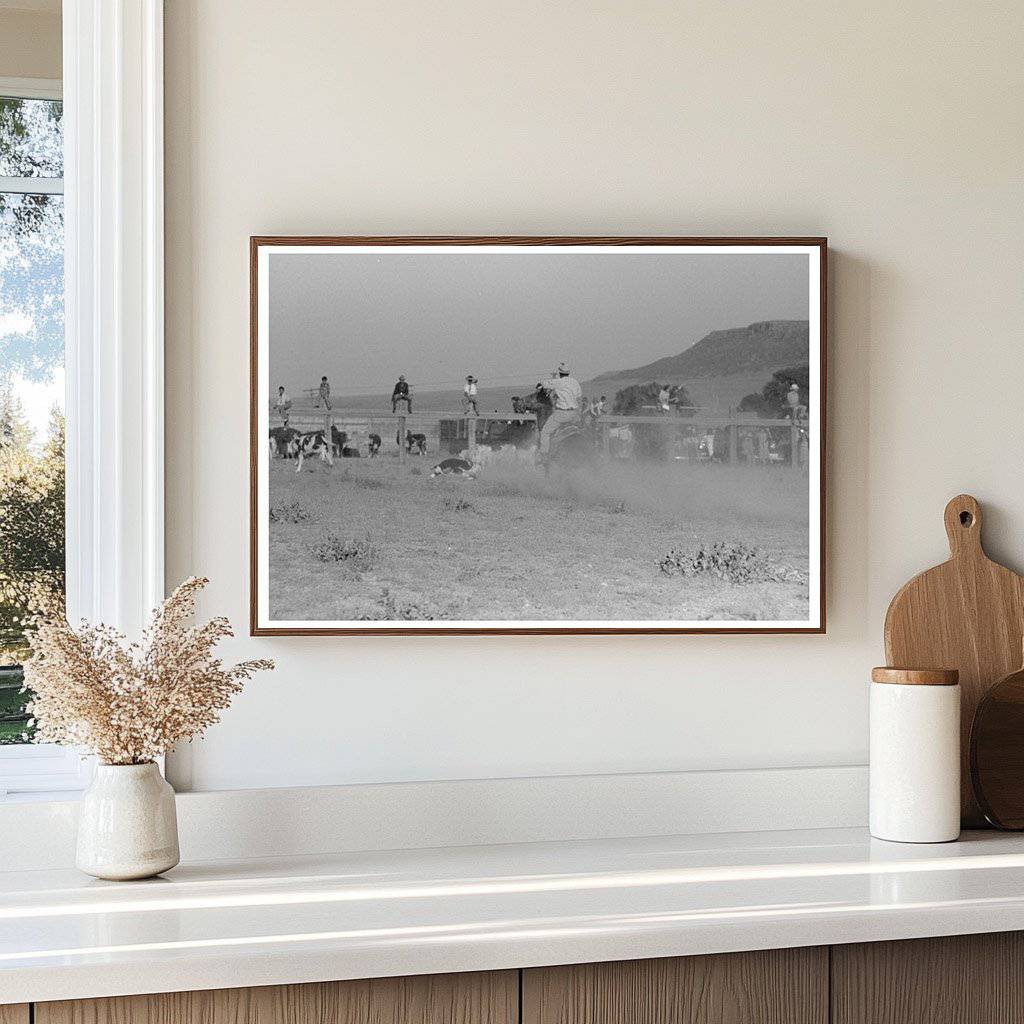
x=129, y=703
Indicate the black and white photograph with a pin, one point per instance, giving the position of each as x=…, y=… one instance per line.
x=549, y=435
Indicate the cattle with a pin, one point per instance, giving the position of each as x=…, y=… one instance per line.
x=349, y=452
x=374, y=443
x=313, y=443
x=281, y=441
x=415, y=443
x=338, y=441
x=455, y=467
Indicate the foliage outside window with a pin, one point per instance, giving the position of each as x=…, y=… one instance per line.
x=31, y=384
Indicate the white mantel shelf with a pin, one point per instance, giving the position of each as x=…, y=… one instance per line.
x=272, y=921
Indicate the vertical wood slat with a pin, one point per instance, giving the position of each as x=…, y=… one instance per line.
x=778, y=986
x=474, y=998
x=14, y=1014
x=960, y=979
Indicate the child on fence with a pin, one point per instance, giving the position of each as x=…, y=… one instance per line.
x=283, y=405
x=469, y=396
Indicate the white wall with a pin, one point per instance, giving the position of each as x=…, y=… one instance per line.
x=895, y=129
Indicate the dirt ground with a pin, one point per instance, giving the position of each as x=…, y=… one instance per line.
x=373, y=539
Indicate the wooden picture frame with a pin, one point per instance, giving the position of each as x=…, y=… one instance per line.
x=811, y=430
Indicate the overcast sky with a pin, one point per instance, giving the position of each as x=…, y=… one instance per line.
x=362, y=319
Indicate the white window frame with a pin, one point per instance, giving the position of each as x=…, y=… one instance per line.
x=114, y=328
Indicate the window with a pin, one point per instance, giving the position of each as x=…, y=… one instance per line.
x=31, y=409
x=109, y=169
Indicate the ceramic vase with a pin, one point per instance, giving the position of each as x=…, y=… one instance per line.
x=127, y=826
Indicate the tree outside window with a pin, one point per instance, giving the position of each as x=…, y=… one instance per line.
x=31, y=385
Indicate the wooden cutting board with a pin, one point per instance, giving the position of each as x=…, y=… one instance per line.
x=967, y=614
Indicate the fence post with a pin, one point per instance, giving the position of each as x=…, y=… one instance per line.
x=471, y=431
x=606, y=430
x=794, y=445
x=328, y=437
x=401, y=438
x=733, y=447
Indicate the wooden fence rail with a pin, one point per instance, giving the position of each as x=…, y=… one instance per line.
x=733, y=423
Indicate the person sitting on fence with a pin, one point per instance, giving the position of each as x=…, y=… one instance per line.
x=324, y=394
x=283, y=405
x=566, y=394
x=469, y=396
x=599, y=405
x=793, y=401
x=401, y=394
x=665, y=397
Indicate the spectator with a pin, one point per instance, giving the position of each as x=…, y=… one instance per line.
x=283, y=405
x=469, y=393
x=401, y=394
x=747, y=447
x=324, y=394
x=793, y=401
x=763, y=447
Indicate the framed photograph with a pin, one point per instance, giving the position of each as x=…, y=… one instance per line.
x=537, y=435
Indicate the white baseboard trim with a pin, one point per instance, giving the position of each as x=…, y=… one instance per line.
x=293, y=822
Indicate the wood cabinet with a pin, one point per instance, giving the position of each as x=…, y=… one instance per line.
x=969, y=979
x=491, y=998
x=778, y=986
x=963, y=979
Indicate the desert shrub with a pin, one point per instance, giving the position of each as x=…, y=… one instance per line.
x=620, y=508
x=389, y=607
x=454, y=504
x=416, y=471
x=734, y=562
x=291, y=512
x=356, y=552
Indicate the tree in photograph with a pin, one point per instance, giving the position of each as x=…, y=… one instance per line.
x=770, y=403
x=636, y=399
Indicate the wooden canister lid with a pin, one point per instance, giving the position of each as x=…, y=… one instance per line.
x=916, y=676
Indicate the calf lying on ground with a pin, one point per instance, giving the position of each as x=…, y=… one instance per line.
x=313, y=443
x=457, y=467
x=374, y=443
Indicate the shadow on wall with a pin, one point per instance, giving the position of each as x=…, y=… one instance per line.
x=853, y=285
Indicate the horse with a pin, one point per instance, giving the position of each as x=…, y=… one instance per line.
x=572, y=444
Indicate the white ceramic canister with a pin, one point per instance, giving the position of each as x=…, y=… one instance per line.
x=915, y=755
x=127, y=824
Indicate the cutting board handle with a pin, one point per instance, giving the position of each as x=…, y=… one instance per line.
x=963, y=526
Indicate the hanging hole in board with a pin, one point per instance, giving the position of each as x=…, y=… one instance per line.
x=966, y=519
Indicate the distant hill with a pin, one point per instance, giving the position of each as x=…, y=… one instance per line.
x=766, y=345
